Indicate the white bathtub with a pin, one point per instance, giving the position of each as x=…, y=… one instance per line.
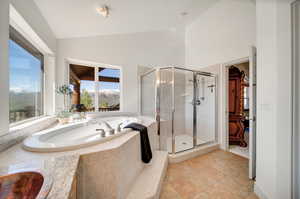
x=76, y=135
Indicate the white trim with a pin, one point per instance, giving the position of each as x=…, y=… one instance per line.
x=15, y=124
x=29, y=122
x=20, y=24
x=258, y=191
x=96, y=96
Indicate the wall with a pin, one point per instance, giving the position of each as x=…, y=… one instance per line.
x=221, y=34
x=4, y=34
x=128, y=51
x=274, y=113
x=296, y=100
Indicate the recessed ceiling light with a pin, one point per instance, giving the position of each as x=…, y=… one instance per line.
x=104, y=11
x=184, y=14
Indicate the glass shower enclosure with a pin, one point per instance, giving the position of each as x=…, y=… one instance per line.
x=183, y=102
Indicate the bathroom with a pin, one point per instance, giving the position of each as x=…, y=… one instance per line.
x=128, y=100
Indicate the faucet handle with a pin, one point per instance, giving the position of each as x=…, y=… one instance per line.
x=102, y=132
x=119, y=127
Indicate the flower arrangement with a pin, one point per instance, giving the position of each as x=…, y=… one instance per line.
x=66, y=91
x=64, y=115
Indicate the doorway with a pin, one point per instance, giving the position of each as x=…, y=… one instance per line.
x=238, y=109
x=239, y=102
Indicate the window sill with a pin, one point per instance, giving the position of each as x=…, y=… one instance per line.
x=28, y=123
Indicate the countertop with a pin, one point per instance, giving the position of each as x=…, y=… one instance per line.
x=58, y=172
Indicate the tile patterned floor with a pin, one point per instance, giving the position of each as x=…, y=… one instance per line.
x=216, y=175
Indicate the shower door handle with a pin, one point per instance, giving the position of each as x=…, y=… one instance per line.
x=196, y=103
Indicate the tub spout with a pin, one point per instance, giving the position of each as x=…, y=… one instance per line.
x=102, y=132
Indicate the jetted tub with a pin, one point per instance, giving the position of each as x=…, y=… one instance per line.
x=76, y=135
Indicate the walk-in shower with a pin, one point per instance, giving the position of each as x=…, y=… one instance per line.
x=183, y=101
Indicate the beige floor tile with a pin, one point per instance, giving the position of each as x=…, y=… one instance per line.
x=216, y=175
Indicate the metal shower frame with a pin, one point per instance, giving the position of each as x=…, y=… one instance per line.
x=157, y=102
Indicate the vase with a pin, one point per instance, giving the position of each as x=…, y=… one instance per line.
x=65, y=120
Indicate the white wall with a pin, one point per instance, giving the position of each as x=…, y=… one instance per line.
x=49, y=99
x=128, y=51
x=4, y=34
x=296, y=100
x=222, y=33
x=274, y=113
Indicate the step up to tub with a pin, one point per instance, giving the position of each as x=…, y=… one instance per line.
x=149, y=182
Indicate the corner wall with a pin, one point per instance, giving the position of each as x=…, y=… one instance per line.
x=221, y=34
x=127, y=51
x=274, y=113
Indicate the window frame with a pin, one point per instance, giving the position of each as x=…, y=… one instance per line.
x=96, y=67
x=19, y=39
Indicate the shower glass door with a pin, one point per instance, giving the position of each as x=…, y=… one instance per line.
x=183, y=127
x=205, y=107
x=166, y=109
x=183, y=101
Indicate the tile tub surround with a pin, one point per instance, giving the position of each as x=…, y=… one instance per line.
x=18, y=133
x=110, y=173
x=111, y=167
x=216, y=175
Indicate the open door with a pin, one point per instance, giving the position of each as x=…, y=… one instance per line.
x=252, y=113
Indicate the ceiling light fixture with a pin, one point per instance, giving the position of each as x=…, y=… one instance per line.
x=184, y=14
x=104, y=11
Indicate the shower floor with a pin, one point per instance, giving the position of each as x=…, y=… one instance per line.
x=182, y=143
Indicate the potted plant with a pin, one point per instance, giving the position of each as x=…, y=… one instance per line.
x=64, y=115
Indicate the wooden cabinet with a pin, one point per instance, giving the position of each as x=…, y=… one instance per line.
x=235, y=107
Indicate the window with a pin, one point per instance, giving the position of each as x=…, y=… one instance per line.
x=102, y=94
x=109, y=89
x=26, y=77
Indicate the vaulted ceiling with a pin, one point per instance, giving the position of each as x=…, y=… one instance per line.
x=79, y=18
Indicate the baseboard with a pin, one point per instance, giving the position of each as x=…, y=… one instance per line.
x=259, y=192
x=182, y=156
